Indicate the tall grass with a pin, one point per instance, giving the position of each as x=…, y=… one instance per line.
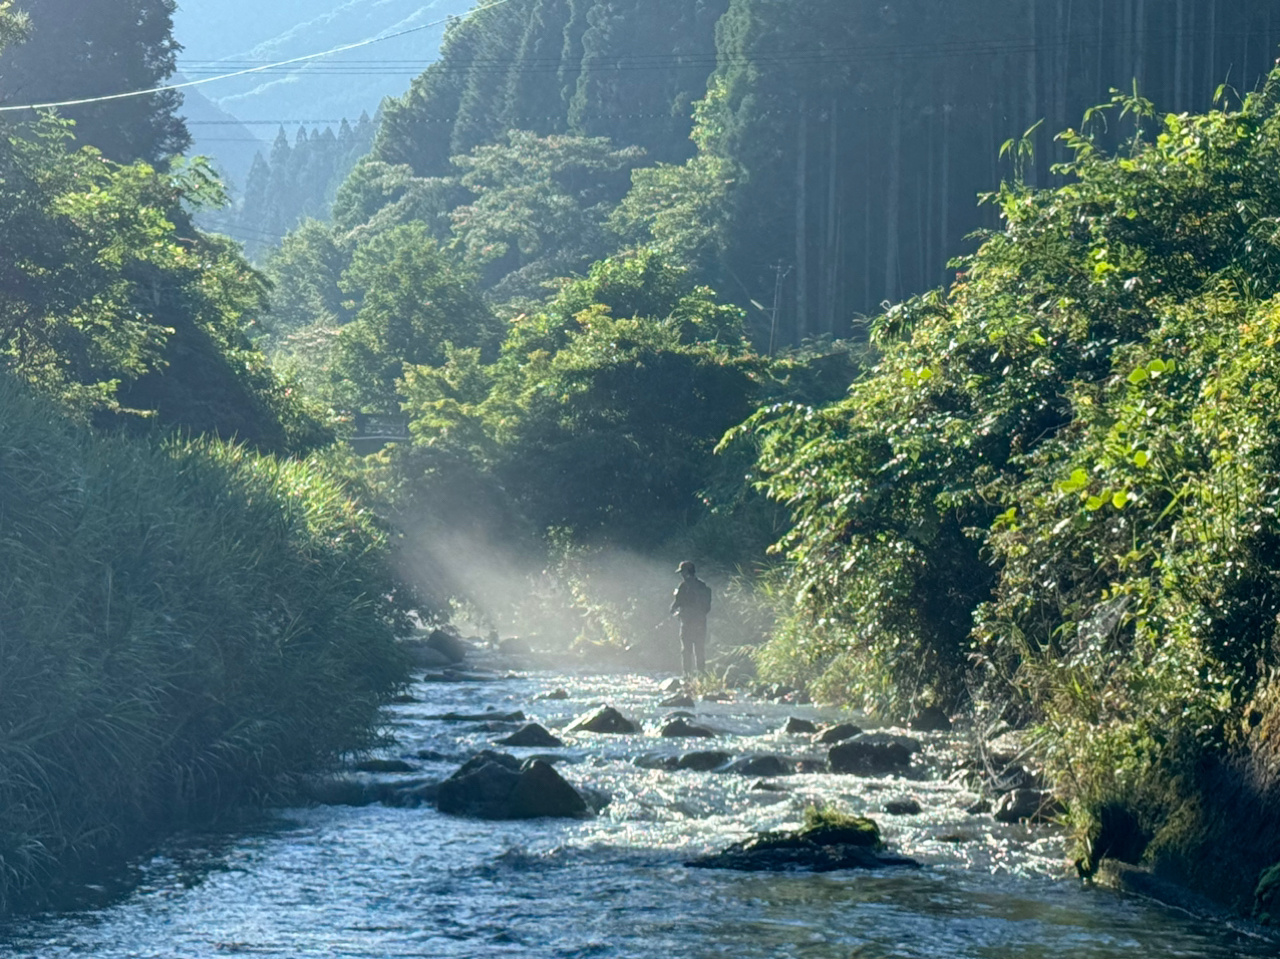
x=181, y=629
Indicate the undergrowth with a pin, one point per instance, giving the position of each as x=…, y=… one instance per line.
x=181, y=629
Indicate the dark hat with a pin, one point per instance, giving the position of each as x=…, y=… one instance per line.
x=686, y=565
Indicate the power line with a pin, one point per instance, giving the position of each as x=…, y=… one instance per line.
x=239, y=73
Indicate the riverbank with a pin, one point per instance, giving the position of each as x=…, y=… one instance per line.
x=183, y=627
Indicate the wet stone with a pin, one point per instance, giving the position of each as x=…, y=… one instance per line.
x=863, y=758
x=556, y=695
x=496, y=786
x=683, y=701
x=824, y=849
x=799, y=727
x=533, y=735
x=765, y=786
x=672, y=685
x=384, y=766
x=516, y=717
x=449, y=645
x=606, y=719
x=902, y=806
x=704, y=761
x=838, y=733
x=765, y=767
x=681, y=727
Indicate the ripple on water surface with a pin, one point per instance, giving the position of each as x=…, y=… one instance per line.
x=380, y=882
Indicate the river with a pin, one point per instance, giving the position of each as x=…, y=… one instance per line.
x=374, y=881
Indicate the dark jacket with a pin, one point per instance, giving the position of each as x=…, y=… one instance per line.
x=693, y=599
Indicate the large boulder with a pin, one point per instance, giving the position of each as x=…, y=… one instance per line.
x=448, y=644
x=532, y=735
x=496, y=786
x=838, y=733
x=682, y=728
x=866, y=756
x=541, y=793
x=606, y=719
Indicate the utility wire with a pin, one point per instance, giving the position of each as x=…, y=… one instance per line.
x=239, y=73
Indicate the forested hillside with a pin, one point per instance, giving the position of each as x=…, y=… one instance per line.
x=855, y=142
x=293, y=182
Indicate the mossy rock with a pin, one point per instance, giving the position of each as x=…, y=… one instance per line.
x=827, y=826
x=1266, y=898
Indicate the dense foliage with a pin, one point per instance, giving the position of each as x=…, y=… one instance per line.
x=1057, y=489
x=843, y=148
x=132, y=49
x=113, y=306
x=181, y=629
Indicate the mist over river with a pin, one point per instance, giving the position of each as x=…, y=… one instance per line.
x=374, y=881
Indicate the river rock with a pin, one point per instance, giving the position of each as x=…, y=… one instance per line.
x=719, y=696
x=448, y=644
x=703, y=762
x=682, y=701
x=606, y=719
x=494, y=717
x=838, y=733
x=492, y=726
x=514, y=646
x=496, y=786
x=556, y=695
x=678, y=728
x=931, y=719
x=655, y=761
x=1030, y=805
x=799, y=727
x=383, y=766
x=766, y=767
x=532, y=735
x=902, y=806
x=424, y=656
x=764, y=785
x=869, y=758
x=404, y=699
x=824, y=849
x=672, y=685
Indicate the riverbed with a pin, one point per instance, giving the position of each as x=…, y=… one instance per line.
x=372, y=881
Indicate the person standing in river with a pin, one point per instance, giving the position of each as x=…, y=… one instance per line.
x=692, y=603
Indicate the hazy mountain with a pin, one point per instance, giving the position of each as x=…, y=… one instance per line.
x=221, y=136
x=221, y=36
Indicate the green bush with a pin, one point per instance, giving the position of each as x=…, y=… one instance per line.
x=181, y=629
x=1058, y=488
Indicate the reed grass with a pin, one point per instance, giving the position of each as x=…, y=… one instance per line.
x=182, y=629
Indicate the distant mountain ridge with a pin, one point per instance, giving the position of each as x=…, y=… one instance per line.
x=226, y=35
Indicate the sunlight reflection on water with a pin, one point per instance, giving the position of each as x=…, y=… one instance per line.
x=380, y=882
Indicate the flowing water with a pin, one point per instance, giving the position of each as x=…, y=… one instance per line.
x=374, y=881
